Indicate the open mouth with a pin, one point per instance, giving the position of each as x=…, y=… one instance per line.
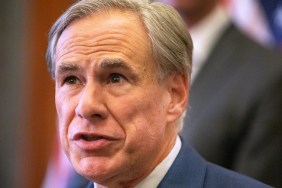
x=88, y=141
x=91, y=137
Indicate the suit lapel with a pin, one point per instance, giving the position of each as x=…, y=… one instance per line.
x=188, y=170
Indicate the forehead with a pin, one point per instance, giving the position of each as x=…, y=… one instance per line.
x=113, y=32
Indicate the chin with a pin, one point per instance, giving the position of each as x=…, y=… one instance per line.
x=93, y=169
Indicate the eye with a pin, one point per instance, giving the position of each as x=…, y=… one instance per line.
x=71, y=80
x=115, y=78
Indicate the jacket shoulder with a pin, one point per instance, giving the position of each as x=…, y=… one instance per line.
x=217, y=177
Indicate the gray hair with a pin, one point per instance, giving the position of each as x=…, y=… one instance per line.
x=170, y=41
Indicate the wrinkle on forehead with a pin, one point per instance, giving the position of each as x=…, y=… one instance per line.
x=107, y=35
x=110, y=35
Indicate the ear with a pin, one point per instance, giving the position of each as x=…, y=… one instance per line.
x=178, y=85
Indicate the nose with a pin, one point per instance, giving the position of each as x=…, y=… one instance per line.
x=91, y=104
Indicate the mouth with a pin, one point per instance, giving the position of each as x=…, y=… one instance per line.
x=93, y=142
x=89, y=138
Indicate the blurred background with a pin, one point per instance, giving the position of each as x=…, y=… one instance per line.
x=27, y=114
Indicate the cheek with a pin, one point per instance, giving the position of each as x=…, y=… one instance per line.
x=141, y=116
x=65, y=112
x=65, y=106
x=152, y=112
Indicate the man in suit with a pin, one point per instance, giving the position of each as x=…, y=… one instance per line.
x=122, y=71
x=235, y=115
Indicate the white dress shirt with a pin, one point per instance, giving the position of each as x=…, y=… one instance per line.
x=205, y=34
x=160, y=171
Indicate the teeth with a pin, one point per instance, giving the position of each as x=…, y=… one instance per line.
x=91, y=138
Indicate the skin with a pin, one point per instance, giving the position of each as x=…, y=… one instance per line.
x=106, y=90
x=192, y=11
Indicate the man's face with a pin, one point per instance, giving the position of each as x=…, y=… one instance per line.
x=114, y=116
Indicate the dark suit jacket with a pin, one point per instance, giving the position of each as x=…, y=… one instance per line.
x=189, y=170
x=235, y=113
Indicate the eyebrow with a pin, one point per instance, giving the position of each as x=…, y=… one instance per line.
x=120, y=64
x=67, y=67
x=105, y=64
x=115, y=63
